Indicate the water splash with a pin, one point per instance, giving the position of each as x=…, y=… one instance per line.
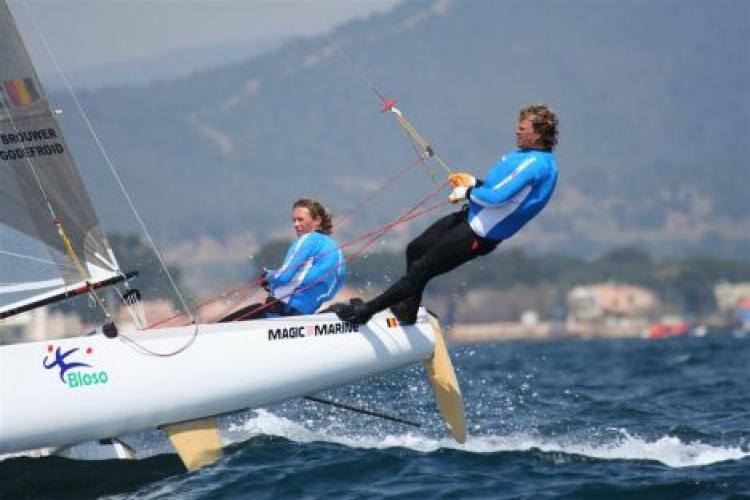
x=668, y=450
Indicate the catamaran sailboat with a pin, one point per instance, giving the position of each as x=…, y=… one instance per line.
x=56, y=393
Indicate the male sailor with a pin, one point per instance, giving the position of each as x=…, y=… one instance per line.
x=515, y=190
x=313, y=269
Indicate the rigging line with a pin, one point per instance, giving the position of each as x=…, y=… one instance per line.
x=424, y=152
x=363, y=411
x=30, y=163
x=357, y=69
x=401, y=220
x=255, y=284
x=367, y=240
x=85, y=276
x=72, y=256
x=209, y=300
x=141, y=349
x=53, y=215
x=233, y=306
x=128, y=307
x=418, y=141
x=81, y=270
x=107, y=160
x=232, y=296
x=35, y=259
x=373, y=193
x=423, y=147
x=374, y=236
x=268, y=304
x=398, y=220
x=371, y=238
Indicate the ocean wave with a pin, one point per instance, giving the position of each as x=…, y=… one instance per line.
x=668, y=450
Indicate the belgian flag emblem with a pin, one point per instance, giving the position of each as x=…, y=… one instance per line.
x=391, y=322
x=19, y=92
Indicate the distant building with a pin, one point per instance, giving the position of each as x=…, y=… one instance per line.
x=733, y=301
x=596, y=302
x=742, y=312
x=728, y=295
x=39, y=324
x=610, y=310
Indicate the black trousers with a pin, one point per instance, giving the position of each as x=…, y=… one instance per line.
x=442, y=247
x=271, y=308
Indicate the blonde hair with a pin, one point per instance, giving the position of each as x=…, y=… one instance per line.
x=544, y=121
x=317, y=211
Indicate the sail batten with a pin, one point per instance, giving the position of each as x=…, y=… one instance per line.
x=42, y=194
x=29, y=285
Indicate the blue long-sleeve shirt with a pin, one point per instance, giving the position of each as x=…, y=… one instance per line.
x=516, y=188
x=312, y=273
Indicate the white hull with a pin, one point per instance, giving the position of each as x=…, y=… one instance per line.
x=230, y=366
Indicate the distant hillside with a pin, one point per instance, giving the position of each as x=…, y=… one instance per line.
x=653, y=96
x=169, y=66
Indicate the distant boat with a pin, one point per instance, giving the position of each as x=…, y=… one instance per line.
x=672, y=327
x=56, y=393
x=742, y=311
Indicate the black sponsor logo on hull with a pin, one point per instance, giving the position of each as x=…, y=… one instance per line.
x=320, y=330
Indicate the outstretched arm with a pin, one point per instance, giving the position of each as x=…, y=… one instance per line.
x=498, y=191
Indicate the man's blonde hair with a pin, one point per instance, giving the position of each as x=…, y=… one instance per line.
x=544, y=121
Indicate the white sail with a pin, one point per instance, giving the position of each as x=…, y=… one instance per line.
x=42, y=197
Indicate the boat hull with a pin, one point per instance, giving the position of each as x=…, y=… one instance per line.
x=56, y=393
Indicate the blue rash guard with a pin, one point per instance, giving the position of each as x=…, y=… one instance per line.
x=312, y=273
x=516, y=188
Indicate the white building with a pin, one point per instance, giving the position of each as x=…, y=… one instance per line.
x=39, y=324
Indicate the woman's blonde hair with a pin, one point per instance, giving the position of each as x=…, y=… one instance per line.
x=317, y=211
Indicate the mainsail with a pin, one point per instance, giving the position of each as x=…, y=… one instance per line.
x=42, y=196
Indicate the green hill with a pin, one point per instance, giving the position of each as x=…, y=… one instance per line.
x=653, y=97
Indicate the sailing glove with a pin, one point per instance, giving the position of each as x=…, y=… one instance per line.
x=462, y=182
x=462, y=179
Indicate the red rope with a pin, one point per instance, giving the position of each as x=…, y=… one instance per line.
x=211, y=299
x=373, y=236
x=369, y=239
x=369, y=197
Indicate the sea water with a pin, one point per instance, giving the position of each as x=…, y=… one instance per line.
x=569, y=418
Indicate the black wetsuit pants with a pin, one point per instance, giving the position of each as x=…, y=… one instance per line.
x=442, y=247
x=271, y=308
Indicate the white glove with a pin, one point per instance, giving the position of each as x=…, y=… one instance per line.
x=458, y=194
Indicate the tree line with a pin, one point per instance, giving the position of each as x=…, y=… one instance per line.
x=685, y=282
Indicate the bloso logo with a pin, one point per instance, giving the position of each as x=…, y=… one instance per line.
x=70, y=371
